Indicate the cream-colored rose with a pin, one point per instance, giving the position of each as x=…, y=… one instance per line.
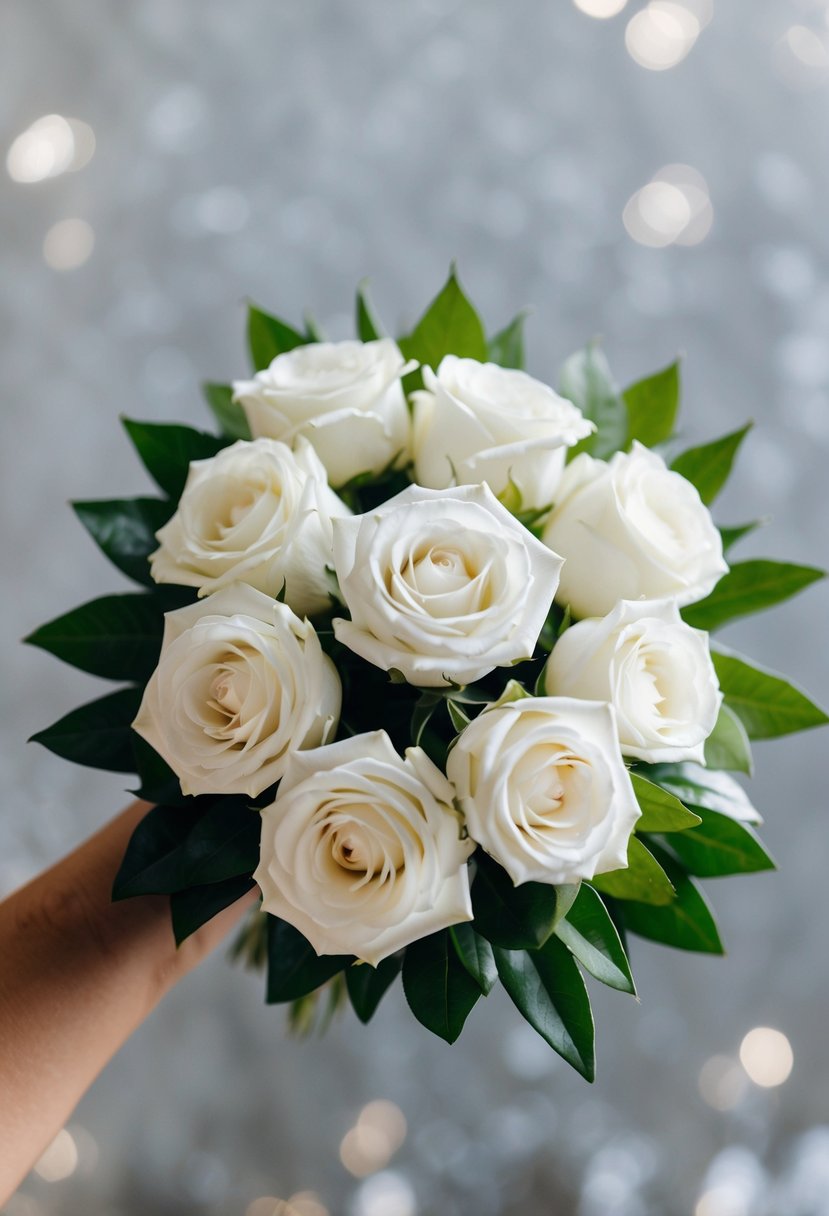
x=257, y=513
x=655, y=670
x=479, y=422
x=631, y=529
x=362, y=850
x=344, y=397
x=240, y=685
x=442, y=585
x=544, y=790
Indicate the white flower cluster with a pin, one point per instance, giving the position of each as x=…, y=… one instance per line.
x=365, y=850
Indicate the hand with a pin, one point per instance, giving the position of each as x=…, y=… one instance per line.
x=78, y=974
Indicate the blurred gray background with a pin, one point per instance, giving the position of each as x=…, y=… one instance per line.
x=659, y=177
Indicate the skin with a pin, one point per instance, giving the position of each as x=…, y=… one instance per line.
x=78, y=974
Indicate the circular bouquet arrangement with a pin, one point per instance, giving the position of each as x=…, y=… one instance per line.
x=422, y=651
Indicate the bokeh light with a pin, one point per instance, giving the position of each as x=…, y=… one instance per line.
x=660, y=35
x=766, y=1055
x=60, y=1159
x=50, y=146
x=387, y=1194
x=68, y=244
x=722, y=1082
x=673, y=208
x=600, y=8
x=374, y=1139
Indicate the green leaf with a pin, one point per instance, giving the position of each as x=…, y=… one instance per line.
x=223, y=844
x=652, y=405
x=227, y=412
x=158, y=781
x=590, y=935
x=719, y=846
x=661, y=811
x=117, y=637
x=506, y=348
x=440, y=991
x=450, y=326
x=294, y=967
x=193, y=908
x=150, y=865
x=460, y=719
x=517, y=918
x=368, y=327
x=424, y=707
x=124, y=529
x=586, y=380
x=99, y=734
x=269, y=337
x=167, y=450
x=767, y=704
x=686, y=924
x=728, y=746
x=696, y=786
x=748, y=587
x=547, y=988
x=313, y=329
x=476, y=955
x=368, y=985
x=708, y=467
x=644, y=880
x=730, y=536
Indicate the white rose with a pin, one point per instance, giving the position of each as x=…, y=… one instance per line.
x=344, y=397
x=479, y=422
x=443, y=585
x=241, y=683
x=631, y=529
x=361, y=851
x=544, y=790
x=655, y=670
x=256, y=513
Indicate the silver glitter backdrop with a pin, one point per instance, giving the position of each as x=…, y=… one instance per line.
x=282, y=150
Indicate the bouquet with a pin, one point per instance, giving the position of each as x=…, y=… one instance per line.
x=421, y=649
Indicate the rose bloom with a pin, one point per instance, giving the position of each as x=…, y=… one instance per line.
x=362, y=849
x=240, y=684
x=654, y=669
x=479, y=422
x=256, y=513
x=345, y=398
x=631, y=529
x=543, y=788
x=442, y=585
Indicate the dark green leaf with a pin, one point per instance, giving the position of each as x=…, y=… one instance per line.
x=696, y=786
x=644, y=880
x=193, y=908
x=749, y=587
x=517, y=918
x=98, y=734
x=368, y=985
x=151, y=863
x=450, y=326
x=661, y=811
x=167, y=450
x=590, y=935
x=728, y=746
x=227, y=412
x=117, y=637
x=730, y=536
x=586, y=380
x=158, y=781
x=766, y=703
x=313, y=329
x=720, y=846
x=223, y=844
x=652, y=405
x=460, y=719
x=547, y=988
x=708, y=467
x=294, y=967
x=425, y=706
x=476, y=955
x=506, y=348
x=439, y=989
x=269, y=337
x=686, y=924
x=368, y=327
x=125, y=529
